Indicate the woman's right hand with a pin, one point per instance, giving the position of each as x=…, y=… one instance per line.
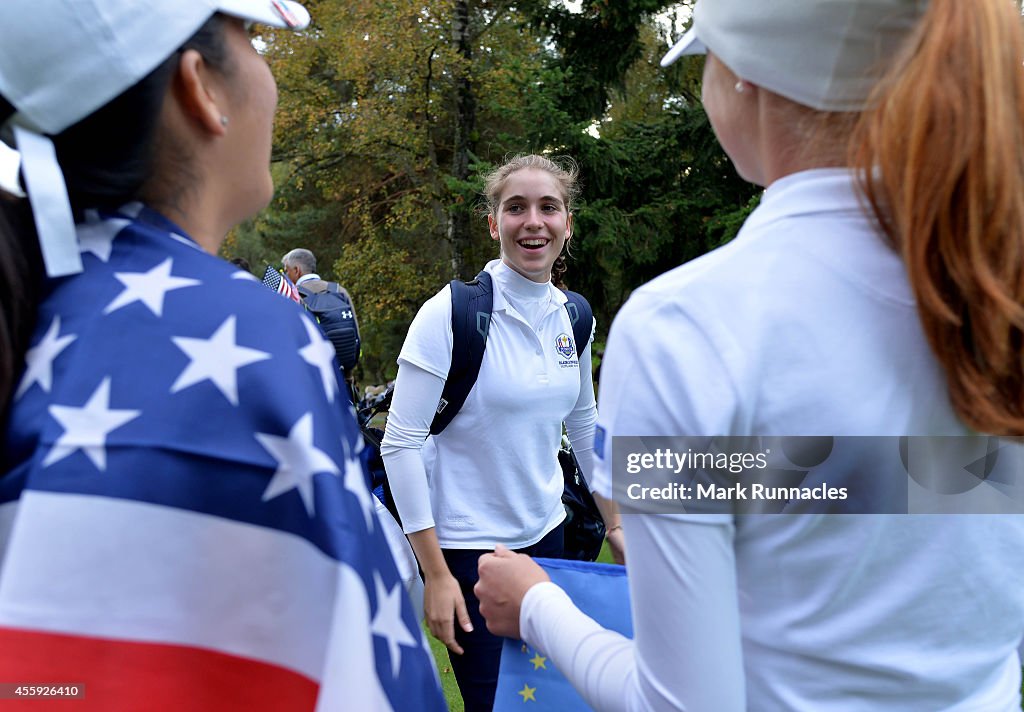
x=443, y=604
x=617, y=544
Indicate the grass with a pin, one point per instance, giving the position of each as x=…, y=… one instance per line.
x=448, y=684
x=444, y=666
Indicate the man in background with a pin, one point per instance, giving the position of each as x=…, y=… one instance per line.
x=329, y=303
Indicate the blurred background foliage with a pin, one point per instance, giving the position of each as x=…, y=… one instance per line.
x=391, y=111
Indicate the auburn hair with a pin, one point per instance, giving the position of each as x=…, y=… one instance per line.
x=940, y=160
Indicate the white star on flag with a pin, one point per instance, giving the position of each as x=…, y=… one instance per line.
x=216, y=359
x=40, y=358
x=320, y=354
x=86, y=428
x=297, y=461
x=97, y=235
x=184, y=240
x=148, y=287
x=132, y=209
x=355, y=482
x=388, y=623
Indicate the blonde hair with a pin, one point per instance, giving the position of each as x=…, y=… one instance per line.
x=940, y=160
x=565, y=172
x=563, y=168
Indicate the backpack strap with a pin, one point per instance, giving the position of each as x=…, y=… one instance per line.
x=581, y=316
x=307, y=288
x=472, y=303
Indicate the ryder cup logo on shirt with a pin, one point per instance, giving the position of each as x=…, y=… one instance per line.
x=563, y=345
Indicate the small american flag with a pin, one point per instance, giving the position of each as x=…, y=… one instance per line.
x=281, y=284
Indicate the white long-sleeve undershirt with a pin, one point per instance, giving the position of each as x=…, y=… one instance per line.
x=678, y=571
x=412, y=410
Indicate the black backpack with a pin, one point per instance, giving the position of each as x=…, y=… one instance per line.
x=337, y=319
x=472, y=303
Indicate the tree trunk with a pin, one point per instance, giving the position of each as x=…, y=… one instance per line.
x=460, y=222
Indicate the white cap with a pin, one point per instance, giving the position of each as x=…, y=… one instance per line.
x=61, y=60
x=825, y=54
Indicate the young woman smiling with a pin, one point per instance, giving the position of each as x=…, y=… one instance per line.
x=492, y=476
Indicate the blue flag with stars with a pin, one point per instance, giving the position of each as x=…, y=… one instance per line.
x=185, y=521
x=529, y=681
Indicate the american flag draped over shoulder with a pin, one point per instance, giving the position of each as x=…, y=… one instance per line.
x=281, y=284
x=184, y=522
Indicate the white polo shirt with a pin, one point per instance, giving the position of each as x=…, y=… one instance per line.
x=494, y=477
x=805, y=324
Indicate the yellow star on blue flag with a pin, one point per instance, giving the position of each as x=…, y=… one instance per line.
x=599, y=590
x=527, y=693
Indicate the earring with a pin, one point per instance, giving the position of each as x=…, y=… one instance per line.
x=741, y=86
x=223, y=121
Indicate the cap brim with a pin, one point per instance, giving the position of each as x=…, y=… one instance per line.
x=285, y=14
x=688, y=44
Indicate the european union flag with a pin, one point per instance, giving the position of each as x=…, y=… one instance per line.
x=599, y=590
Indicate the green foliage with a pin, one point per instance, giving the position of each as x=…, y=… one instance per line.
x=723, y=227
x=384, y=105
x=597, y=47
x=372, y=271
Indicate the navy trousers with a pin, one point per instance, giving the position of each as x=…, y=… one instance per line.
x=476, y=670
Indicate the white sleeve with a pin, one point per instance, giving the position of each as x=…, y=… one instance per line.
x=682, y=576
x=429, y=341
x=686, y=652
x=412, y=410
x=579, y=424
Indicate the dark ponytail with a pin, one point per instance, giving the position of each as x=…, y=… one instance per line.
x=21, y=278
x=20, y=282
x=108, y=159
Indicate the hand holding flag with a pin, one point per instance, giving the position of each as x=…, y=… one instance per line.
x=527, y=675
x=505, y=577
x=281, y=284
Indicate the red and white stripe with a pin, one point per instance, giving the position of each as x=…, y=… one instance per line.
x=286, y=288
x=153, y=607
